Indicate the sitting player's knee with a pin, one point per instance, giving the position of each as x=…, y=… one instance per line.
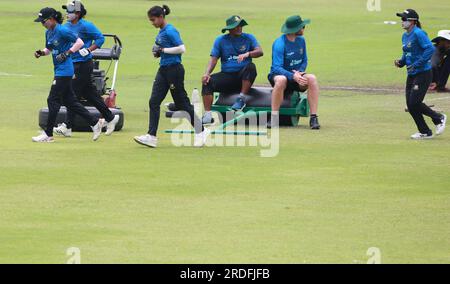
x=280, y=81
x=249, y=73
x=207, y=89
x=311, y=78
x=251, y=67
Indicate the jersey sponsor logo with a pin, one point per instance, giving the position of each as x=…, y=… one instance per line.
x=290, y=53
x=295, y=62
x=232, y=57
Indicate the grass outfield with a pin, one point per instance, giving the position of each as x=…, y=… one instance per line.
x=327, y=197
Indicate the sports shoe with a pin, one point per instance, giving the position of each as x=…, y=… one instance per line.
x=146, y=140
x=239, y=105
x=110, y=126
x=63, y=130
x=42, y=138
x=200, y=138
x=314, y=123
x=207, y=118
x=97, y=129
x=441, y=126
x=420, y=136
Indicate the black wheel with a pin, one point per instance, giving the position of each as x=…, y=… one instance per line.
x=289, y=120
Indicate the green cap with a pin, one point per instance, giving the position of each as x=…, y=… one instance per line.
x=233, y=22
x=293, y=24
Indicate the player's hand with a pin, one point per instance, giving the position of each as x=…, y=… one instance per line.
x=157, y=50
x=397, y=63
x=39, y=53
x=300, y=79
x=242, y=57
x=205, y=79
x=84, y=52
x=62, y=57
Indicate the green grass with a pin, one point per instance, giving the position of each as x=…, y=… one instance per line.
x=326, y=198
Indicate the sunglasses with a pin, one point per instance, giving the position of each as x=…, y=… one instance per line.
x=44, y=21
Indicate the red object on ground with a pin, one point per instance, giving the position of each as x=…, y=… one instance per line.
x=110, y=101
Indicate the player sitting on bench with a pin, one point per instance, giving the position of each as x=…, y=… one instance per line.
x=235, y=50
x=287, y=74
x=441, y=61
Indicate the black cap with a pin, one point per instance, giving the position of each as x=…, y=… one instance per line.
x=45, y=14
x=409, y=14
x=75, y=6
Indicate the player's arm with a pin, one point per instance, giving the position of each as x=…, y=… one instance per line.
x=42, y=52
x=254, y=52
x=209, y=69
x=96, y=35
x=75, y=47
x=278, y=61
x=177, y=42
x=174, y=50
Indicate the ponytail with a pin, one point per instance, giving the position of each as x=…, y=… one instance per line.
x=58, y=17
x=83, y=12
x=418, y=24
x=158, y=11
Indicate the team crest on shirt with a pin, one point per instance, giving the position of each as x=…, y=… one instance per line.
x=409, y=45
x=55, y=42
x=243, y=48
